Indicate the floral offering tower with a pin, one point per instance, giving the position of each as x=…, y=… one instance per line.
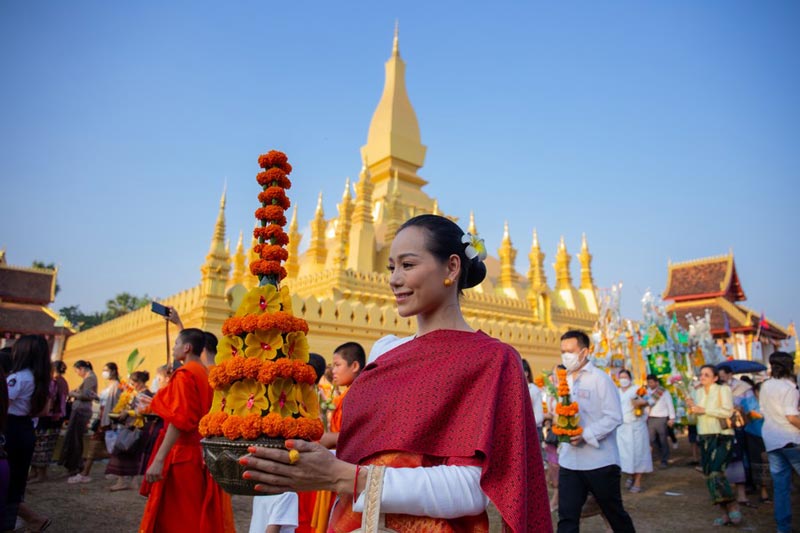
x=567, y=417
x=264, y=388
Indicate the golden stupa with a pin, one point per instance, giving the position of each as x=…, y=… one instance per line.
x=340, y=284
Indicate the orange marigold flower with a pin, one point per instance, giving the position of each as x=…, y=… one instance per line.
x=231, y=429
x=251, y=426
x=252, y=367
x=272, y=233
x=272, y=213
x=271, y=252
x=273, y=157
x=538, y=381
x=289, y=428
x=274, y=196
x=234, y=369
x=249, y=323
x=283, y=181
x=202, y=428
x=268, y=373
x=271, y=424
x=215, y=422
x=261, y=267
x=217, y=377
x=303, y=373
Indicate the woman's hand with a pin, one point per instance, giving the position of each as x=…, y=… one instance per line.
x=154, y=472
x=697, y=409
x=316, y=469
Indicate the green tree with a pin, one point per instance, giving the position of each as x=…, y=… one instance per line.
x=123, y=303
x=50, y=266
x=79, y=319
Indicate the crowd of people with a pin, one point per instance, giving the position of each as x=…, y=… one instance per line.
x=478, y=430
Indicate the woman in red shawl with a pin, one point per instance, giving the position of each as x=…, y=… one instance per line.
x=447, y=410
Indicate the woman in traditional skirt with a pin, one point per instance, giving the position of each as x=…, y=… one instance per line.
x=84, y=395
x=713, y=405
x=49, y=427
x=632, y=437
x=125, y=464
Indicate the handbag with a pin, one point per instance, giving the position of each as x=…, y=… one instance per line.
x=127, y=440
x=372, y=521
x=735, y=421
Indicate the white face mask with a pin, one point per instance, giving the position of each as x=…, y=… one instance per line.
x=624, y=382
x=571, y=361
x=106, y=374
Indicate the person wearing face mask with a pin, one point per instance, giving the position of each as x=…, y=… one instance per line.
x=632, y=439
x=590, y=462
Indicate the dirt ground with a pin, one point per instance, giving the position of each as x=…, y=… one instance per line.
x=673, y=499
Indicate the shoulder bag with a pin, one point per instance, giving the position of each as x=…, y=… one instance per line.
x=372, y=521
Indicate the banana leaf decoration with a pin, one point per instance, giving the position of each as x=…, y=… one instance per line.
x=134, y=360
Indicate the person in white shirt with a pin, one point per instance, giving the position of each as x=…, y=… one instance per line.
x=632, y=441
x=536, y=398
x=590, y=463
x=660, y=417
x=781, y=433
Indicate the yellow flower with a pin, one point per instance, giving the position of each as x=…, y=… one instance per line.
x=220, y=402
x=282, y=398
x=307, y=400
x=286, y=300
x=296, y=346
x=229, y=346
x=263, y=344
x=260, y=300
x=246, y=397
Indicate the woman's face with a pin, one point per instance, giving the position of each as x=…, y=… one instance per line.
x=417, y=277
x=707, y=377
x=343, y=374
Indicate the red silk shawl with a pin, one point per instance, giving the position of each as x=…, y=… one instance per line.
x=454, y=394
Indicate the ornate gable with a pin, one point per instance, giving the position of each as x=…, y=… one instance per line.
x=704, y=278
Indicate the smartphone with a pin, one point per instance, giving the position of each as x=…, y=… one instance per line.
x=159, y=309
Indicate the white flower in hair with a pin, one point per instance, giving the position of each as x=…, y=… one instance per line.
x=475, y=247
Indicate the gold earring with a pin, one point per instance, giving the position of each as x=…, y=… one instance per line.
x=448, y=282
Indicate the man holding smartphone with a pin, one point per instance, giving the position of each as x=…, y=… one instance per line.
x=210, y=347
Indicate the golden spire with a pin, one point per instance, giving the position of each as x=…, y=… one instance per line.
x=217, y=266
x=507, y=255
x=471, y=229
x=585, y=259
x=251, y=280
x=293, y=261
x=563, y=276
x=396, y=42
x=361, y=241
x=394, y=130
x=343, y=227
x=435, y=210
x=536, y=272
x=239, y=259
x=393, y=214
x=317, y=249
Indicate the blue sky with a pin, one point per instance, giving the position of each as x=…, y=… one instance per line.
x=662, y=130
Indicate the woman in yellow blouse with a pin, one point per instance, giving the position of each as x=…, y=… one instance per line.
x=713, y=405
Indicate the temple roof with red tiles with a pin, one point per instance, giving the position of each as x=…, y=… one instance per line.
x=25, y=319
x=27, y=285
x=704, y=278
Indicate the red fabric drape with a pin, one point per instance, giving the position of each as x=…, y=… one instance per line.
x=460, y=396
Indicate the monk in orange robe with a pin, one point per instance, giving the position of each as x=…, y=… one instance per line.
x=182, y=494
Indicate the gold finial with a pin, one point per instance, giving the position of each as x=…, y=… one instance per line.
x=561, y=245
x=396, y=43
x=584, y=246
x=240, y=244
x=224, y=194
x=436, y=207
x=346, y=195
x=535, y=239
x=319, y=211
x=293, y=223
x=505, y=231
x=472, y=229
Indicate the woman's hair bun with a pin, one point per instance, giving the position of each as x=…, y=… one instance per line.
x=476, y=273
